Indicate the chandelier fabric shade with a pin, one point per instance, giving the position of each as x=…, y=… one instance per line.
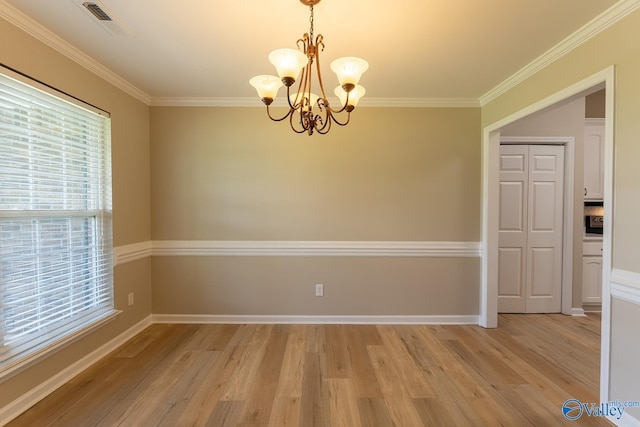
x=308, y=112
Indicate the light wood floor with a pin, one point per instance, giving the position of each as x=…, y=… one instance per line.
x=338, y=375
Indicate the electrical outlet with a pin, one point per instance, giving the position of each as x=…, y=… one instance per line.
x=319, y=290
x=131, y=299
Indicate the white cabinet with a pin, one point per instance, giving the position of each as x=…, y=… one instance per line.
x=594, y=159
x=592, y=273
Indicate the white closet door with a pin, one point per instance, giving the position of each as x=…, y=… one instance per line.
x=530, y=228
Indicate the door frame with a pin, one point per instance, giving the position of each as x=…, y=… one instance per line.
x=568, y=142
x=490, y=156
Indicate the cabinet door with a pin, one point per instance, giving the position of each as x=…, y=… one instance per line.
x=594, y=162
x=591, y=279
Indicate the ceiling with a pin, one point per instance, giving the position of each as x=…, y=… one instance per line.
x=207, y=49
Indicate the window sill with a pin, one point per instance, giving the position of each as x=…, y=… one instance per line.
x=46, y=351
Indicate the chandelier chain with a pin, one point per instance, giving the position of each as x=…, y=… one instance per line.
x=311, y=21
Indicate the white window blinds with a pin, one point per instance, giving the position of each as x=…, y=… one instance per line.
x=55, y=221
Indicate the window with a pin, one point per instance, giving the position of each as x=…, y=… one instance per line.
x=56, y=263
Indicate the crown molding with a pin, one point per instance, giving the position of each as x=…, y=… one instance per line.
x=600, y=23
x=365, y=102
x=34, y=29
x=606, y=19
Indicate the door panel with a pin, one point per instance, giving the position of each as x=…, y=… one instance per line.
x=541, y=277
x=543, y=209
x=512, y=206
x=511, y=280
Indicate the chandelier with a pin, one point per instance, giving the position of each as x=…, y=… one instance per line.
x=309, y=112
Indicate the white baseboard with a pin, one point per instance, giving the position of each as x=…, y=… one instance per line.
x=27, y=400
x=578, y=312
x=626, y=420
x=352, y=320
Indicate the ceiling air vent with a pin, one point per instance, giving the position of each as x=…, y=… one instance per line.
x=97, y=11
x=102, y=16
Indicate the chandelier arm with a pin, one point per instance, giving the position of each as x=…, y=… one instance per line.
x=297, y=104
x=339, y=123
x=344, y=107
x=275, y=119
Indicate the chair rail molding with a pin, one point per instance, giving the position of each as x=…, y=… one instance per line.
x=417, y=249
x=625, y=285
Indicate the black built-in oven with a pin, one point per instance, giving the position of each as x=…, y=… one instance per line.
x=593, y=217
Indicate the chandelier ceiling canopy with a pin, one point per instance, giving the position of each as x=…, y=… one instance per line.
x=309, y=112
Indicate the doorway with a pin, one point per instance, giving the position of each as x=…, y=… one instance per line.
x=490, y=193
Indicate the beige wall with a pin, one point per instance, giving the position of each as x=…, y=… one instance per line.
x=615, y=46
x=625, y=359
x=563, y=120
x=391, y=175
x=353, y=286
x=131, y=198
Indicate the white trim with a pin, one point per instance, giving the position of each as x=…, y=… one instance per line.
x=315, y=248
x=627, y=420
x=625, y=285
x=132, y=252
x=312, y=320
x=594, y=122
x=567, y=236
x=34, y=29
x=135, y=251
x=600, y=23
x=577, y=312
x=33, y=396
x=365, y=102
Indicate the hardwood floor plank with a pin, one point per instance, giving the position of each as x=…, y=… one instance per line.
x=374, y=413
x=409, y=373
x=209, y=389
x=257, y=408
x=434, y=412
x=292, y=371
x=343, y=407
x=226, y=414
x=285, y=412
x=314, y=410
x=362, y=373
x=337, y=358
x=396, y=396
